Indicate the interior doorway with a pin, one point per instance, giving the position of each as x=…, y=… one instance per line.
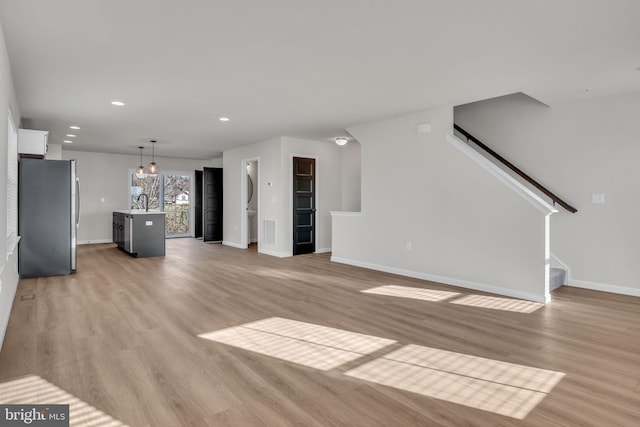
x=197, y=205
x=212, y=204
x=250, y=203
x=304, y=205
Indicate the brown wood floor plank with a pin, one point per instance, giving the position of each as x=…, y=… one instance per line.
x=122, y=335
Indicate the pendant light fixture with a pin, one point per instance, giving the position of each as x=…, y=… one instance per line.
x=140, y=170
x=153, y=166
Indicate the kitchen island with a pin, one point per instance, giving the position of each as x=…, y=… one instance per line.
x=139, y=233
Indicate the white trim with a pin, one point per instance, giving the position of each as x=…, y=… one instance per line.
x=275, y=253
x=232, y=244
x=604, y=287
x=344, y=213
x=94, y=242
x=244, y=220
x=502, y=176
x=322, y=251
x=542, y=298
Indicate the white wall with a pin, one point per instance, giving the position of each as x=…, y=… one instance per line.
x=104, y=187
x=351, y=180
x=8, y=265
x=429, y=211
x=54, y=152
x=275, y=168
x=577, y=149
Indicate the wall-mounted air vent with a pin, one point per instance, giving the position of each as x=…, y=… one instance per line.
x=269, y=231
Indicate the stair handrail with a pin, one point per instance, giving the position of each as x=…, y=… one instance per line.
x=518, y=171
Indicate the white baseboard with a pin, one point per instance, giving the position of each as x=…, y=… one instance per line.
x=322, y=251
x=603, y=287
x=94, y=242
x=234, y=244
x=254, y=240
x=448, y=280
x=274, y=253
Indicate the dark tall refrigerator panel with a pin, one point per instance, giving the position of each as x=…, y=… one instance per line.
x=48, y=209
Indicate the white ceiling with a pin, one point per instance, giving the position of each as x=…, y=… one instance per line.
x=297, y=68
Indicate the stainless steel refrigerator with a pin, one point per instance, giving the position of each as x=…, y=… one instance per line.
x=48, y=212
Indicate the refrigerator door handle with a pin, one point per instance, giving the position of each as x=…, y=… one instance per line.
x=75, y=209
x=77, y=202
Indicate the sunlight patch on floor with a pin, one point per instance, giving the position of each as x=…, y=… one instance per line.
x=491, y=385
x=413, y=293
x=498, y=303
x=315, y=346
x=33, y=390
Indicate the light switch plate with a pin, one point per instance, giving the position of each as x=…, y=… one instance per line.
x=597, y=199
x=424, y=128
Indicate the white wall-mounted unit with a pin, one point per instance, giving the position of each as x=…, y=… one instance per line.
x=33, y=142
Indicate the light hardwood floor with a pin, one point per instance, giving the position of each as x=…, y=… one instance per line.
x=122, y=336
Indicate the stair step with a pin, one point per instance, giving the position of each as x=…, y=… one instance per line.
x=557, y=278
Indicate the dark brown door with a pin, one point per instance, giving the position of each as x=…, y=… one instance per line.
x=197, y=205
x=304, y=206
x=212, y=204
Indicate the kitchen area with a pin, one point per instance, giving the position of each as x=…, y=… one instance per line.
x=102, y=201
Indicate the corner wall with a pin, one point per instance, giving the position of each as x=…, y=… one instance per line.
x=429, y=211
x=576, y=149
x=275, y=189
x=8, y=264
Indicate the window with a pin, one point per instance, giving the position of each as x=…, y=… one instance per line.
x=168, y=192
x=12, y=186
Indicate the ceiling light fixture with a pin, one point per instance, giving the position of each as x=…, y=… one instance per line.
x=140, y=170
x=153, y=166
x=224, y=119
x=74, y=127
x=341, y=140
x=70, y=135
x=66, y=141
x=117, y=103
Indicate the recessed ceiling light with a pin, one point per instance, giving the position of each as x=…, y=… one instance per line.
x=66, y=141
x=224, y=119
x=70, y=135
x=74, y=127
x=117, y=103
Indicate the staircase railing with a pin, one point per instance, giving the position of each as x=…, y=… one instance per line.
x=519, y=172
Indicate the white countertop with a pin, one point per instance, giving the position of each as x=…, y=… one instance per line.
x=140, y=212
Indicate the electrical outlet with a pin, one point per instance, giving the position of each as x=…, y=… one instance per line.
x=408, y=246
x=597, y=199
